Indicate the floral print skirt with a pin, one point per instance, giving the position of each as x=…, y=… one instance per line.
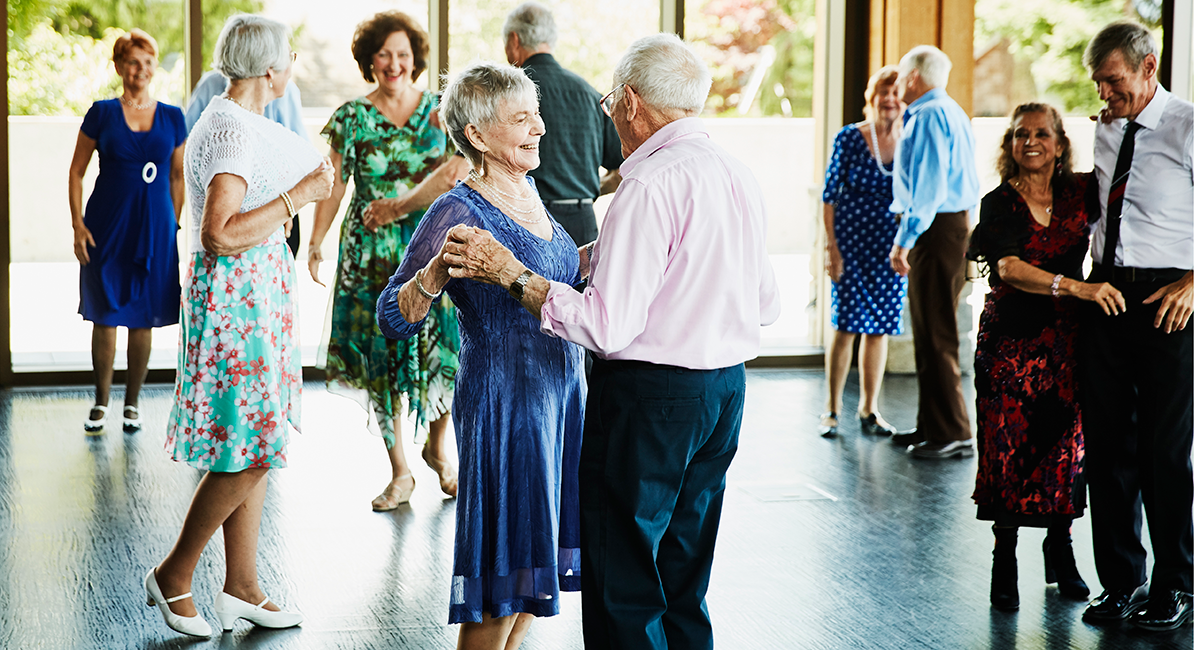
x=238, y=380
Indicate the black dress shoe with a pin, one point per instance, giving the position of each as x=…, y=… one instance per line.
x=1116, y=605
x=828, y=431
x=871, y=426
x=1165, y=612
x=907, y=438
x=934, y=451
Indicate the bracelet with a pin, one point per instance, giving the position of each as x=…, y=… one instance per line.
x=421, y=287
x=1054, y=285
x=287, y=203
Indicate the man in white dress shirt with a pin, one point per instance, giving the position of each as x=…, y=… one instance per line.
x=1137, y=380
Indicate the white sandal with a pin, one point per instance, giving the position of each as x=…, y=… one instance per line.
x=134, y=423
x=91, y=425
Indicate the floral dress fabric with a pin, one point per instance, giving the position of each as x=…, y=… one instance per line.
x=518, y=420
x=238, y=382
x=385, y=160
x=1027, y=400
x=869, y=296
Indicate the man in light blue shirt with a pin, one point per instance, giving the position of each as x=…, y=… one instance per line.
x=933, y=190
x=285, y=110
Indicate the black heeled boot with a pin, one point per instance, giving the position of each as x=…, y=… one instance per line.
x=1060, y=563
x=1004, y=570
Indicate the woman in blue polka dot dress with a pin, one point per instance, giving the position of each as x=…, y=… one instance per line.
x=867, y=294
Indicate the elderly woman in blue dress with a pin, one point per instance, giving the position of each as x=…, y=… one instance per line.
x=867, y=294
x=125, y=243
x=237, y=389
x=519, y=395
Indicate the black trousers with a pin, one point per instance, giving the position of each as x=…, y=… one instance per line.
x=579, y=220
x=1137, y=423
x=935, y=280
x=657, y=441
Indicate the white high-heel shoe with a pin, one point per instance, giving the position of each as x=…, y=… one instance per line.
x=231, y=608
x=190, y=625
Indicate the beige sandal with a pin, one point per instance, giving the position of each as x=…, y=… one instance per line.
x=447, y=473
x=393, y=496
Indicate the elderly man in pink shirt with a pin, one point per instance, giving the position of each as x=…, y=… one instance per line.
x=680, y=285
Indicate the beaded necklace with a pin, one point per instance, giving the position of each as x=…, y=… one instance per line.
x=509, y=208
x=878, y=158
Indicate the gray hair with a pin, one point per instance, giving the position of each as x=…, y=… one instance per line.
x=931, y=63
x=475, y=97
x=1132, y=40
x=250, y=45
x=533, y=24
x=665, y=73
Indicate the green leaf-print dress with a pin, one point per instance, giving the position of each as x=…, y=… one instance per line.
x=386, y=160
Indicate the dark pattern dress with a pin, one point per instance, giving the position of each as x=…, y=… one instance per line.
x=869, y=296
x=132, y=279
x=518, y=420
x=385, y=160
x=1027, y=401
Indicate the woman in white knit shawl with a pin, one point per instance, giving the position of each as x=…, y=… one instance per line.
x=238, y=383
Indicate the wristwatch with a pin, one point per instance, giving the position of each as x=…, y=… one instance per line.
x=517, y=288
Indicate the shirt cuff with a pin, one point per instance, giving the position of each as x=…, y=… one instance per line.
x=391, y=320
x=911, y=228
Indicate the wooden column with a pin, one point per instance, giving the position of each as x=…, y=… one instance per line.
x=670, y=17
x=194, y=48
x=439, y=46
x=899, y=25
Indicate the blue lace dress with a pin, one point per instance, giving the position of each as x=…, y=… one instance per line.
x=870, y=295
x=518, y=419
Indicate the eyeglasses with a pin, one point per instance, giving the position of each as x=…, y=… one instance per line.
x=607, y=101
x=293, y=57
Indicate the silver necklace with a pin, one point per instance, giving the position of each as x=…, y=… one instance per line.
x=507, y=208
x=134, y=106
x=878, y=158
x=244, y=107
x=1029, y=197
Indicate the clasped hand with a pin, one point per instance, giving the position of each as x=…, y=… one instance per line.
x=380, y=213
x=473, y=253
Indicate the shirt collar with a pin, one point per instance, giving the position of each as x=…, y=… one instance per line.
x=541, y=58
x=673, y=131
x=930, y=95
x=1151, y=116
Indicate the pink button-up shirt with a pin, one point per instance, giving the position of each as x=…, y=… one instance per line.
x=680, y=274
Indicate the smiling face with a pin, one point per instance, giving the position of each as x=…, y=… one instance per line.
x=393, y=64
x=137, y=69
x=512, y=141
x=1034, y=142
x=1124, y=90
x=887, y=102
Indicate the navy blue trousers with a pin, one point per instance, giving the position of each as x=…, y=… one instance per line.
x=657, y=441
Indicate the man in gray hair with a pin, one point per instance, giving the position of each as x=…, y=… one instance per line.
x=1137, y=366
x=933, y=189
x=680, y=287
x=579, y=139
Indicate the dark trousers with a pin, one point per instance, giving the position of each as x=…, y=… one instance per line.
x=657, y=441
x=936, y=278
x=1137, y=425
x=579, y=220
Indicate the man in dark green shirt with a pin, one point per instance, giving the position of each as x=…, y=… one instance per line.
x=579, y=138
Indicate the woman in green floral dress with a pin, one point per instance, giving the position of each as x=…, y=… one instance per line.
x=388, y=141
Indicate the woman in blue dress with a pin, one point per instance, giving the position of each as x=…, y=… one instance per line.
x=519, y=395
x=867, y=294
x=125, y=244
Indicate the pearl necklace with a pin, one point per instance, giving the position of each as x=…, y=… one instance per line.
x=136, y=107
x=508, y=208
x=878, y=158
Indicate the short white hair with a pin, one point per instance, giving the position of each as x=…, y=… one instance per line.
x=931, y=63
x=250, y=45
x=665, y=73
x=533, y=23
x=475, y=97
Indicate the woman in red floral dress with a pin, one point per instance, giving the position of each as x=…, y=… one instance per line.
x=1033, y=235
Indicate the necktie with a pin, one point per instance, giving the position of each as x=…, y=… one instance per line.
x=1116, y=198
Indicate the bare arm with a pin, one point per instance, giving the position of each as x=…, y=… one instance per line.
x=585, y=261
x=226, y=231
x=84, y=147
x=833, y=255
x=610, y=181
x=323, y=216
x=177, y=186
x=442, y=180
x=473, y=253
x=1031, y=279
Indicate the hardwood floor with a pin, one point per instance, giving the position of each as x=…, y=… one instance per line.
x=825, y=544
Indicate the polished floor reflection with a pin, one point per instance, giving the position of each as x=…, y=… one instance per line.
x=825, y=544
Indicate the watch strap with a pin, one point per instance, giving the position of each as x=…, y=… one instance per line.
x=517, y=288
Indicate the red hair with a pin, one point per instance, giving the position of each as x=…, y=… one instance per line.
x=135, y=38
